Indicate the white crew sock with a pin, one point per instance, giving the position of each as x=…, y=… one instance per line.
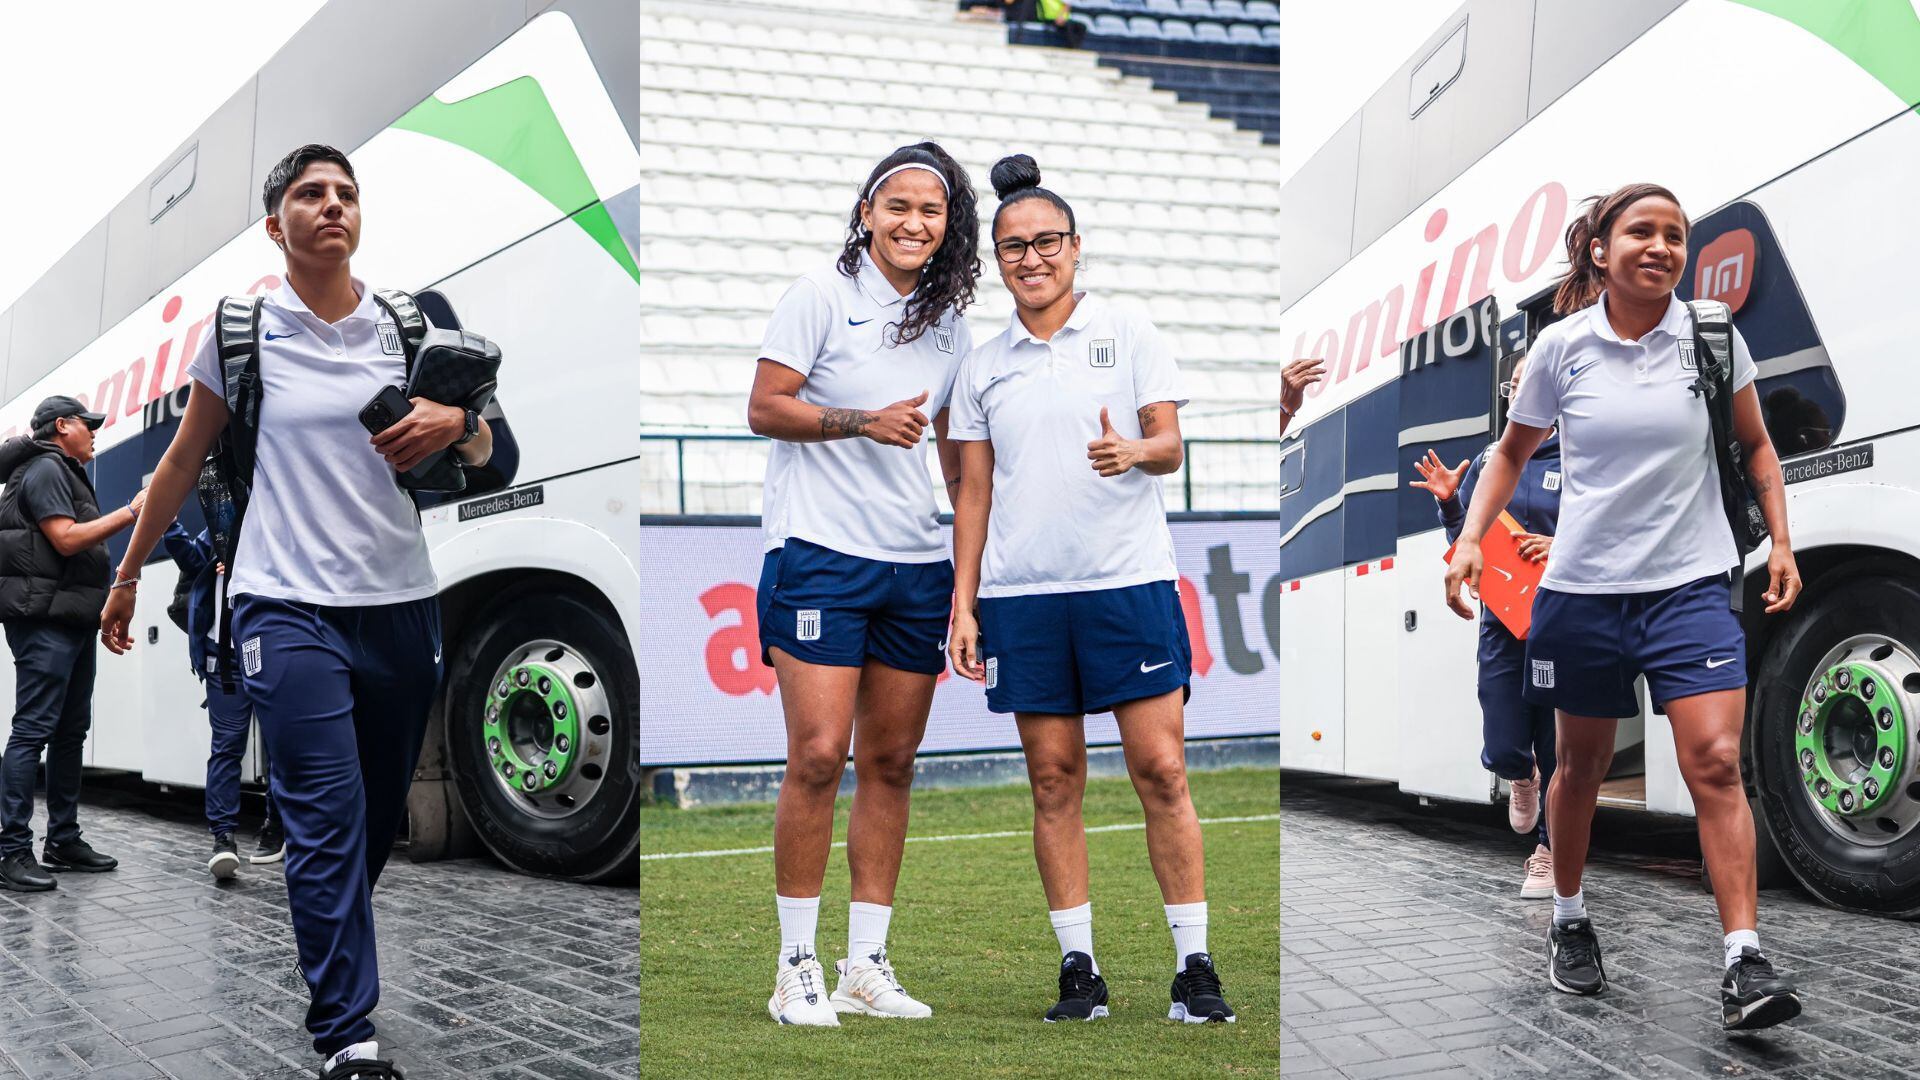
x=1738, y=940
x=1074, y=928
x=363, y=1051
x=799, y=920
x=867, y=932
x=1189, y=925
x=1568, y=909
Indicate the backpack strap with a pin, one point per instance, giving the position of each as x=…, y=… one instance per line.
x=1713, y=350
x=237, y=325
x=406, y=314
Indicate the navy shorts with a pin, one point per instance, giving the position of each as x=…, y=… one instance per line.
x=1585, y=651
x=824, y=607
x=1069, y=654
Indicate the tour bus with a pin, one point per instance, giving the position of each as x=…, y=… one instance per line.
x=1790, y=135
x=507, y=201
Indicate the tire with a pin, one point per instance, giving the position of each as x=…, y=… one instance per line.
x=1865, y=862
x=586, y=825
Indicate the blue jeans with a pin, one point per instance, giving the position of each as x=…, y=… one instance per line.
x=53, y=667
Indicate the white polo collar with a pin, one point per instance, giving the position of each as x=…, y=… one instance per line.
x=1673, y=323
x=289, y=301
x=875, y=284
x=1083, y=313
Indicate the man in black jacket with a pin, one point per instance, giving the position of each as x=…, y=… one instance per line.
x=53, y=586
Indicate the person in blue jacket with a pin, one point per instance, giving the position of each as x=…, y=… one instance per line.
x=1517, y=737
x=228, y=714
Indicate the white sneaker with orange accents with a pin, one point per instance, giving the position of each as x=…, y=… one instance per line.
x=870, y=987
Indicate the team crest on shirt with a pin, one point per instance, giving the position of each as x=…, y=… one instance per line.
x=943, y=338
x=390, y=339
x=806, y=625
x=993, y=672
x=1100, y=353
x=1543, y=674
x=250, y=656
x=1688, y=361
x=1550, y=481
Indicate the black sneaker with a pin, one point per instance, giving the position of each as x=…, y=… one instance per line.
x=361, y=1069
x=21, y=873
x=272, y=846
x=1196, y=994
x=226, y=860
x=76, y=855
x=1083, y=993
x=1753, y=995
x=1573, y=958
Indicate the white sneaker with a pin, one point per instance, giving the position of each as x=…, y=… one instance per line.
x=800, y=993
x=1539, y=882
x=1523, y=803
x=869, y=987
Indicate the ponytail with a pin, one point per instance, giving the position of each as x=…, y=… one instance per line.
x=1584, y=279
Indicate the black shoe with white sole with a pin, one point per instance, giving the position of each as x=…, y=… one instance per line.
x=76, y=855
x=1196, y=994
x=1753, y=995
x=1573, y=959
x=226, y=860
x=272, y=845
x=362, y=1069
x=1083, y=993
x=21, y=873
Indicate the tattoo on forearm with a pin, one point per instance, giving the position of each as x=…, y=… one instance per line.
x=848, y=422
x=1762, y=486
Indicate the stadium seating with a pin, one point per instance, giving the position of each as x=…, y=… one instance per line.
x=758, y=121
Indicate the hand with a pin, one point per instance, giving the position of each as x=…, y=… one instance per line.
x=116, y=621
x=220, y=568
x=899, y=424
x=1435, y=478
x=1533, y=547
x=1783, y=579
x=1294, y=380
x=963, y=645
x=138, y=502
x=1465, y=567
x=1112, y=455
x=430, y=428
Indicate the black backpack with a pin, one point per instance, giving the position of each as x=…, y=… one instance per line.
x=1713, y=349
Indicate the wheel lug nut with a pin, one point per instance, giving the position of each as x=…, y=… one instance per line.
x=1806, y=722
x=504, y=688
x=1843, y=678
x=1868, y=688
x=559, y=710
x=493, y=746
x=1819, y=693
x=1886, y=757
x=507, y=769
x=1820, y=787
x=1846, y=800
x=1884, y=719
x=562, y=743
x=546, y=686
x=1806, y=760
x=553, y=770
x=530, y=780
x=1872, y=787
x=521, y=678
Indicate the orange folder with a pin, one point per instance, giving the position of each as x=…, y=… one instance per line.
x=1507, y=581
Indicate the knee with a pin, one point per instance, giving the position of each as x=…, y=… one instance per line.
x=815, y=766
x=1057, y=787
x=1581, y=770
x=1162, y=780
x=1715, y=767
x=890, y=768
x=1507, y=762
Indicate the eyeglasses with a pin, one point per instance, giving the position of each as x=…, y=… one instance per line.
x=1506, y=389
x=1047, y=244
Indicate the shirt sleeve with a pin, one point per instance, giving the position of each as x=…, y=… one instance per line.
x=204, y=368
x=1156, y=375
x=797, y=330
x=1744, y=369
x=966, y=417
x=44, y=490
x=1538, y=402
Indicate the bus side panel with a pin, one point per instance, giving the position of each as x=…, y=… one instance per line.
x=1373, y=672
x=1438, y=706
x=1312, y=695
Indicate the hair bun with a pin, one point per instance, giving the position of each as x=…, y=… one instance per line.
x=1015, y=172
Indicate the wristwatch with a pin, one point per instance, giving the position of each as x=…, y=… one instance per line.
x=472, y=423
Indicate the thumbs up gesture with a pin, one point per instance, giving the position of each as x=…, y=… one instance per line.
x=899, y=424
x=1112, y=455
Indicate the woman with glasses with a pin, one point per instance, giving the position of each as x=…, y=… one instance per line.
x=1066, y=420
x=1516, y=735
x=856, y=584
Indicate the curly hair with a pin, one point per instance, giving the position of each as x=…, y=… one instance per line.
x=948, y=278
x=1583, y=281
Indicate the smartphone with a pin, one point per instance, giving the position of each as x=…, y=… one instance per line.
x=385, y=410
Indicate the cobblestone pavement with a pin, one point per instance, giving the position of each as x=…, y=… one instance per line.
x=1406, y=951
x=155, y=970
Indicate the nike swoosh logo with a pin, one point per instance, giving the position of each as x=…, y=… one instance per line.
x=1145, y=670
x=862, y=322
x=1711, y=663
x=270, y=336
x=436, y=654
x=1502, y=573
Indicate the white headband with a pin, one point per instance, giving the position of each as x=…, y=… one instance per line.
x=885, y=176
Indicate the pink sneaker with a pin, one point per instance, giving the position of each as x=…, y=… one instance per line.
x=1539, y=883
x=1523, y=805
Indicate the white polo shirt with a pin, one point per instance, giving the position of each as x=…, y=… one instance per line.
x=1640, y=500
x=1056, y=525
x=326, y=523
x=854, y=495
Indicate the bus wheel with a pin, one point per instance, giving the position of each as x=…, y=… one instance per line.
x=542, y=732
x=1837, y=745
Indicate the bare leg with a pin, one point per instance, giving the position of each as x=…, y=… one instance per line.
x=819, y=703
x=890, y=718
x=1584, y=747
x=1056, y=752
x=1153, y=735
x=1706, y=735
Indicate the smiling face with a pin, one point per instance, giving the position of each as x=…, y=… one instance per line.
x=319, y=218
x=1646, y=250
x=905, y=221
x=1036, y=281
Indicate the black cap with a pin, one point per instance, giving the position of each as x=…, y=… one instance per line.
x=60, y=405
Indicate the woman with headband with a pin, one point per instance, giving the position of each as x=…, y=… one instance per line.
x=856, y=585
x=1066, y=421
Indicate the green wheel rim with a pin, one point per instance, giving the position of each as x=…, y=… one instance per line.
x=532, y=727
x=1850, y=739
